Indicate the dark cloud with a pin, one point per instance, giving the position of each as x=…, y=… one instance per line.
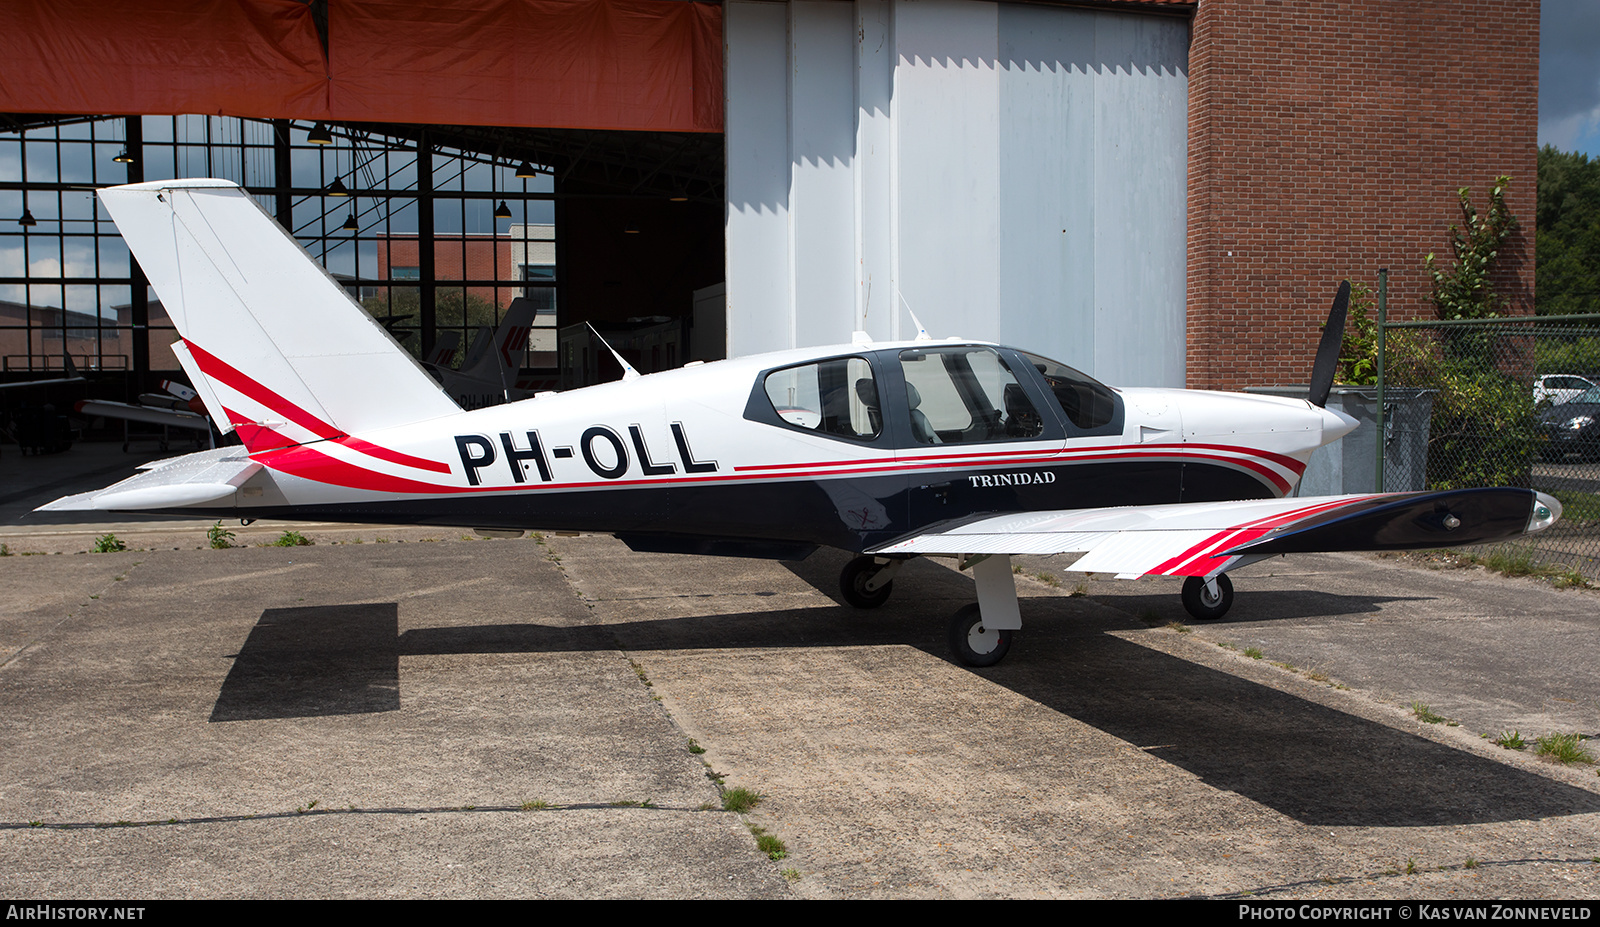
x=1569, y=70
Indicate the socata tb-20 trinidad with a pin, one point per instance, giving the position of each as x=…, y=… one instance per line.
x=889, y=451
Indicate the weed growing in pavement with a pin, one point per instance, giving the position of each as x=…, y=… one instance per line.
x=769, y=844
x=108, y=544
x=1253, y=653
x=292, y=539
x=1425, y=714
x=219, y=537
x=1511, y=740
x=1562, y=748
x=739, y=800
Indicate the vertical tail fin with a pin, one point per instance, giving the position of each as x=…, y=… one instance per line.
x=498, y=360
x=277, y=348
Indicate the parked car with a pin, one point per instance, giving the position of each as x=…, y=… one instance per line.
x=1572, y=427
x=1557, y=388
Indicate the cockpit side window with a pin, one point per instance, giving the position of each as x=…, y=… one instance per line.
x=1086, y=402
x=836, y=397
x=965, y=394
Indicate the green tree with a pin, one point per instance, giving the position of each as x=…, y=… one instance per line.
x=1567, y=233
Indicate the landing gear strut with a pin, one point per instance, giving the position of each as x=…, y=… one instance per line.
x=866, y=582
x=1208, y=600
x=981, y=634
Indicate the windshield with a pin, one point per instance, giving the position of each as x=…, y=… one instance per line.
x=1085, y=401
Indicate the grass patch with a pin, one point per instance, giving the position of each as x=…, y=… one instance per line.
x=108, y=544
x=1178, y=626
x=1253, y=653
x=292, y=539
x=1081, y=589
x=1425, y=714
x=1510, y=740
x=1563, y=748
x=769, y=844
x=740, y=800
x=538, y=804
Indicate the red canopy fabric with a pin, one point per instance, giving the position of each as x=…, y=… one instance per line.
x=235, y=57
x=600, y=64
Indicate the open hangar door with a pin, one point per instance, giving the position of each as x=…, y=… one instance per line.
x=1008, y=171
x=616, y=103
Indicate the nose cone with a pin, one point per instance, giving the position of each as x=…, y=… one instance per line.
x=1335, y=425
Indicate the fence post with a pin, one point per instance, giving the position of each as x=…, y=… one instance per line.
x=1383, y=321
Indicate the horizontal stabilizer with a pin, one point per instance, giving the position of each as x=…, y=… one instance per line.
x=208, y=478
x=1203, y=539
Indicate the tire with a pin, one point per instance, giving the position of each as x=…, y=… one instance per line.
x=972, y=643
x=853, y=583
x=1205, y=607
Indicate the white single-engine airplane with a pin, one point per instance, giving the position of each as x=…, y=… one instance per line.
x=888, y=451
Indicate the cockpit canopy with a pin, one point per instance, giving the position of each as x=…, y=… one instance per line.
x=936, y=395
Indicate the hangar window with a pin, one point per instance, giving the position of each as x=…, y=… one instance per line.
x=837, y=397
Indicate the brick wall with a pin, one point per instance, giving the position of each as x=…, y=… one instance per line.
x=479, y=258
x=1327, y=140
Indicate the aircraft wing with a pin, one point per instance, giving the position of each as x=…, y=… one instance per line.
x=1206, y=538
x=193, y=479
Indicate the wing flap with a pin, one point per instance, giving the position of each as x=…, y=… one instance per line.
x=1202, y=539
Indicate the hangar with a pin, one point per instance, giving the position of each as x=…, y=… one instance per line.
x=1163, y=193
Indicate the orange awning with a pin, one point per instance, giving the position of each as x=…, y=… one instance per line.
x=602, y=64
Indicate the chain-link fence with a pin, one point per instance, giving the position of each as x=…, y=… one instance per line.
x=1505, y=402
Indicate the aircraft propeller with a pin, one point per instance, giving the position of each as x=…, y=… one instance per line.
x=1327, y=362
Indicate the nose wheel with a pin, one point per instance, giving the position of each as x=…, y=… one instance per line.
x=1208, y=600
x=974, y=643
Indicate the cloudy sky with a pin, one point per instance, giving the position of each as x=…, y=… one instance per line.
x=1569, y=75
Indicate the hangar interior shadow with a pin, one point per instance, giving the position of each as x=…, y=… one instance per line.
x=1310, y=762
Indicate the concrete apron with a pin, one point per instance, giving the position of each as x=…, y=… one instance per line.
x=371, y=720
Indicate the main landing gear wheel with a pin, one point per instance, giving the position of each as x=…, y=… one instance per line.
x=853, y=581
x=976, y=645
x=1204, y=604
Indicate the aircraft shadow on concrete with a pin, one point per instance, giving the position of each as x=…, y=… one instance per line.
x=1310, y=762
x=307, y=662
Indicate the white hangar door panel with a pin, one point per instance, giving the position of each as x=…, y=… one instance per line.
x=1009, y=171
